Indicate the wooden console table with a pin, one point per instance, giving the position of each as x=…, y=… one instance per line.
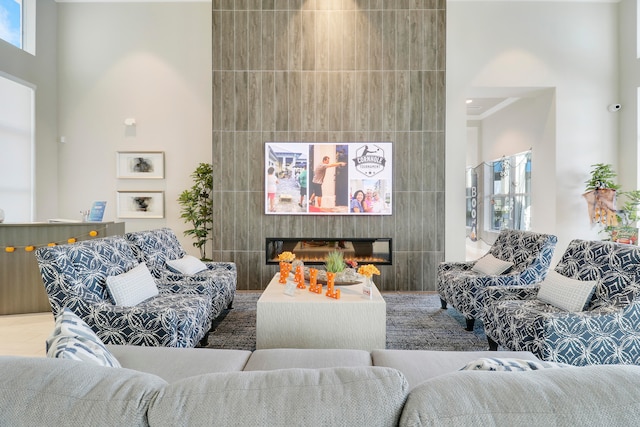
x=21, y=287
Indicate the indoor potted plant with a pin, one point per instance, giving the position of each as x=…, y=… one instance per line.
x=601, y=195
x=197, y=207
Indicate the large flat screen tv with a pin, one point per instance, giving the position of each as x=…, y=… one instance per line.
x=327, y=178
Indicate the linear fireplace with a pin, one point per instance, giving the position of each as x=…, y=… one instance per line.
x=314, y=250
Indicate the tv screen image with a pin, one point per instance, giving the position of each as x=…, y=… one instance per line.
x=326, y=178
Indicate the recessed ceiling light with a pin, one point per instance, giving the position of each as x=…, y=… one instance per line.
x=469, y=101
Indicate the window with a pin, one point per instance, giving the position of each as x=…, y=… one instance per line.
x=11, y=21
x=16, y=146
x=18, y=23
x=472, y=203
x=510, y=198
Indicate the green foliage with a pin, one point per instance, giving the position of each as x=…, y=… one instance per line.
x=602, y=176
x=631, y=205
x=197, y=207
x=334, y=262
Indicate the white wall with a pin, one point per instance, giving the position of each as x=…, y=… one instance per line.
x=569, y=48
x=148, y=61
x=629, y=48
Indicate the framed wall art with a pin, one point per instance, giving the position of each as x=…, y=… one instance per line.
x=323, y=178
x=140, y=204
x=140, y=164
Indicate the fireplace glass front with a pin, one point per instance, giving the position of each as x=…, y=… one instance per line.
x=313, y=251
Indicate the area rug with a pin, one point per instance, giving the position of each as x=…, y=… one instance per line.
x=415, y=321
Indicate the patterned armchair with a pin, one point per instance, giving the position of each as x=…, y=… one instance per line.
x=606, y=332
x=75, y=277
x=463, y=288
x=156, y=247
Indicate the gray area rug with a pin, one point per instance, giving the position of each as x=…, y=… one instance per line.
x=415, y=321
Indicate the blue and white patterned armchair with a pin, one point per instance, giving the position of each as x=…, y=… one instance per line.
x=606, y=332
x=156, y=247
x=463, y=288
x=75, y=276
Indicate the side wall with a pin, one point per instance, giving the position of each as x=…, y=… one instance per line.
x=330, y=71
x=566, y=47
x=148, y=61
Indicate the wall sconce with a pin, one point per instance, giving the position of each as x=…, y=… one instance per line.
x=130, y=122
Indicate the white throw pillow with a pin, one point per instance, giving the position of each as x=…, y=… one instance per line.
x=509, y=364
x=187, y=265
x=491, y=265
x=566, y=293
x=73, y=339
x=133, y=287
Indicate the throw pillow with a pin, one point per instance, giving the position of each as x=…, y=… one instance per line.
x=186, y=265
x=133, y=287
x=491, y=265
x=509, y=364
x=73, y=339
x=566, y=293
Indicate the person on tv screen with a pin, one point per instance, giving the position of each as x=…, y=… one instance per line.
x=318, y=178
x=356, y=202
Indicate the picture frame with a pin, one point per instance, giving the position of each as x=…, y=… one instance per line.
x=140, y=164
x=140, y=204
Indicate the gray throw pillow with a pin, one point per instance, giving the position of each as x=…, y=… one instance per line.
x=566, y=293
x=491, y=265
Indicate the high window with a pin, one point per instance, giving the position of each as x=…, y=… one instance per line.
x=18, y=24
x=11, y=22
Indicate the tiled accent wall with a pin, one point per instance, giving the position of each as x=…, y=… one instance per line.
x=330, y=70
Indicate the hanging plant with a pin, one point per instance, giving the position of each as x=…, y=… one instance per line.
x=602, y=176
x=197, y=208
x=601, y=196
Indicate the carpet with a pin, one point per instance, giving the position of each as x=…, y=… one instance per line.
x=415, y=321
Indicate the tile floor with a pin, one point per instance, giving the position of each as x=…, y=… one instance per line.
x=25, y=334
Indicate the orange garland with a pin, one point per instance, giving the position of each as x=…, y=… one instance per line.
x=31, y=248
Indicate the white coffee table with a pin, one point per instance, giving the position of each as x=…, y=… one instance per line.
x=310, y=320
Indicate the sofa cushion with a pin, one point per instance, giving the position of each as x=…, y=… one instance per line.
x=133, y=287
x=358, y=396
x=92, y=261
x=72, y=338
x=585, y=396
x=566, y=293
x=38, y=391
x=421, y=365
x=188, y=264
x=491, y=265
x=281, y=358
x=173, y=364
x=509, y=364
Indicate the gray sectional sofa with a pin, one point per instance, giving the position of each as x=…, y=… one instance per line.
x=161, y=386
